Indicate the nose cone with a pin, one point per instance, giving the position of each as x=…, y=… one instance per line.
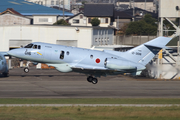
x=15, y=52
x=11, y=52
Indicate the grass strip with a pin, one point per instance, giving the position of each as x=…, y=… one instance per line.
x=90, y=113
x=90, y=101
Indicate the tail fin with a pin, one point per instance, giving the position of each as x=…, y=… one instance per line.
x=144, y=53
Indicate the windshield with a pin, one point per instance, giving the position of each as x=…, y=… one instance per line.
x=28, y=46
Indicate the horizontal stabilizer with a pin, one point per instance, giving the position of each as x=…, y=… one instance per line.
x=159, y=42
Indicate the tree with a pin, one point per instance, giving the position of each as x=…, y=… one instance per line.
x=149, y=19
x=146, y=26
x=95, y=22
x=84, y=2
x=124, y=28
x=61, y=22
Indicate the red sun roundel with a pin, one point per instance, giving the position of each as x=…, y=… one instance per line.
x=98, y=60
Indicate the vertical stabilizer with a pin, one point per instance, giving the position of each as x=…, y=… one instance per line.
x=144, y=53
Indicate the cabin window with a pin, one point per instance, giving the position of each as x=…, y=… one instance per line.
x=62, y=55
x=28, y=46
x=91, y=56
x=39, y=47
x=67, y=53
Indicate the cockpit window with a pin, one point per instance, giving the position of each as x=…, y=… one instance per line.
x=28, y=46
x=35, y=47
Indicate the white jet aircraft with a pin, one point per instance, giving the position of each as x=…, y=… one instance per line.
x=92, y=62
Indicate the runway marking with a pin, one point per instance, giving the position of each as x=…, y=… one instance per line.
x=89, y=105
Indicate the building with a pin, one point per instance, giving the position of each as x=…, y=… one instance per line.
x=52, y=3
x=148, y=5
x=78, y=20
x=104, y=12
x=12, y=17
x=138, y=13
x=14, y=36
x=38, y=13
x=108, y=16
x=121, y=18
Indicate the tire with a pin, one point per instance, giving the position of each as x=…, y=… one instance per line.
x=94, y=81
x=89, y=79
x=26, y=70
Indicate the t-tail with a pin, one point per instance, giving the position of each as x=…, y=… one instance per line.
x=144, y=53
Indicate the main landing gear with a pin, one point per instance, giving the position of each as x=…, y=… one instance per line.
x=92, y=80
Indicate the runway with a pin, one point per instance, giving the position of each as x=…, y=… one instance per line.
x=89, y=105
x=53, y=84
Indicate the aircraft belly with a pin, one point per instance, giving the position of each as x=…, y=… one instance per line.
x=62, y=67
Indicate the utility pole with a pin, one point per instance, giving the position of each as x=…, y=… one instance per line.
x=145, y=5
x=59, y=4
x=130, y=4
x=133, y=11
x=63, y=9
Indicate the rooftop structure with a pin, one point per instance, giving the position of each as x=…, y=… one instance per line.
x=28, y=8
x=94, y=10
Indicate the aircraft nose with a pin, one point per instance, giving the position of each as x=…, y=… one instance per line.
x=11, y=52
x=14, y=52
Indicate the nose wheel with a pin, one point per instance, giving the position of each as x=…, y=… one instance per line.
x=26, y=69
x=92, y=80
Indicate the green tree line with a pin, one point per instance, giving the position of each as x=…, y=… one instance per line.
x=146, y=26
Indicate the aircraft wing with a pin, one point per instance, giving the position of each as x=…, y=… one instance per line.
x=97, y=71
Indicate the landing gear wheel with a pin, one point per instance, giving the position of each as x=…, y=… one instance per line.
x=89, y=79
x=26, y=69
x=94, y=80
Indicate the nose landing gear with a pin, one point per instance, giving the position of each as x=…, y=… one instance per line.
x=26, y=69
x=92, y=80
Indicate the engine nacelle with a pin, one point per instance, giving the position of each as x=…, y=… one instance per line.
x=118, y=64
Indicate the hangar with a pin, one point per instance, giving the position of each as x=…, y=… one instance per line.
x=14, y=36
